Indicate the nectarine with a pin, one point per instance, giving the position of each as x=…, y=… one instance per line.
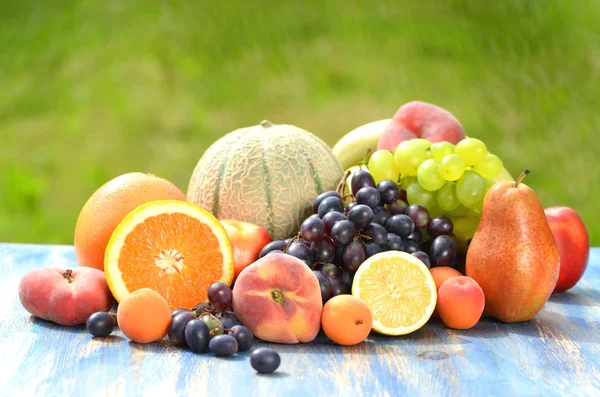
x=247, y=240
x=460, y=302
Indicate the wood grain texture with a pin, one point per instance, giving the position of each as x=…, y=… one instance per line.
x=557, y=353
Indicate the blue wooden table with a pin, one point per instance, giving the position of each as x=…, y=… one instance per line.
x=557, y=353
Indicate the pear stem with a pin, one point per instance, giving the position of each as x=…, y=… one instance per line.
x=521, y=177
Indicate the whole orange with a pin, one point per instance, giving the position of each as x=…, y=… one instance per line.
x=107, y=207
x=346, y=320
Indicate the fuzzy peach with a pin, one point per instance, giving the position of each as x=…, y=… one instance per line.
x=279, y=299
x=247, y=240
x=460, y=302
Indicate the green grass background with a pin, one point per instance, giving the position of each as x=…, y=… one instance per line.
x=90, y=90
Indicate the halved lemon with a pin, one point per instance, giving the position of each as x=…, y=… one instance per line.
x=398, y=289
x=174, y=247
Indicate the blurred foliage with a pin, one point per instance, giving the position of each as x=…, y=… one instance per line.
x=90, y=90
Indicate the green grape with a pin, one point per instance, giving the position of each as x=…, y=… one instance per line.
x=415, y=194
x=461, y=210
x=452, y=167
x=439, y=150
x=472, y=150
x=446, y=197
x=428, y=175
x=410, y=154
x=435, y=211
x=488, y=184
x=470, y=189
x=406, y=181
x=465, y=226
x=382, y=166
x=490, y=167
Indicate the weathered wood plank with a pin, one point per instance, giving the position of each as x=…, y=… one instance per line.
x=557, y=353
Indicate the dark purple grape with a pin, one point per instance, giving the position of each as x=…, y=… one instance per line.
x=380, y=215
x=312, y=229
x=290, y=240
x=322, y=251
x=361, y=215
x=418, y=214
x=317, y=201
x=331, y=270
x=101, y=324
x=399, y=207
x=197, y=335
x=343, y=232
x=180, y=310
x=300, y=251
x=368, y=196
x=377, y=233
x=401, y=225
x=372, y=249
x=459, y=262
x=229, y=320
x=416, y=236
x=389, y=191
x=243, y=336
x=440, y=226
x=223, y=345
x=177, y=327
x=325, y=285
x=410, y=246
x=442, y=251
x=339, y=255
x=423, y=257
x=338, y=287
x=426, y=247
x=350, y=205
x=394, y=243
x=360, y=179
x=330, y=204
x=265, y=360
x=220, y=296
x=347, y=278
x=275, y=252
x=272, y=246
x=331, y=218
x=403, y=195
x=354, y=256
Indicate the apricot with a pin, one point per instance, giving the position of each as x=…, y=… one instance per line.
x=460, y=302
x=144, y=316
x=346, y=320
x=441, y=274
x=279, y=299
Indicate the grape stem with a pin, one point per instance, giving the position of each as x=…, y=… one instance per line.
x=342, y=185
x=521, y=177
x=360, y=235
x=296, y=237
x=317, y=263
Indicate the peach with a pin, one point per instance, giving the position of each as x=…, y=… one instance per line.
x=65, y=296
x=441, y=274
x=247, y=240
x=144, y=316
x=460, y=302
x=279, y=299
x=421, y=120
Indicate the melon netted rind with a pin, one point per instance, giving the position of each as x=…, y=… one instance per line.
x=267, y=174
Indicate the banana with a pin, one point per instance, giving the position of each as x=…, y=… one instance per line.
x=353, y=146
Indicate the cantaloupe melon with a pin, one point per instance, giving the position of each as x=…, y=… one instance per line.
x=267, y=174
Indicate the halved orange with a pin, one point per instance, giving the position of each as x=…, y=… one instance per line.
x=398, y=289
x=176, y=248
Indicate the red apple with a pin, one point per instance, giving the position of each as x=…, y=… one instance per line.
x=247, y=239
x=421, y=120
x=65, y=296
x=573, y=244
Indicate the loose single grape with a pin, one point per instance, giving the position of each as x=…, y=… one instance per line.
x=401, y=225
x=100, y=324
x=300, y=251
x=439, y=150
x=223, y=345
x=381, y=215
x=399, y=207
x=377, y=233
x=472, y=150
x=214, y=324
x=410, y=246
x=452, y=167
x=265, y=360
x=177, y=328
x=442, y=251
x=220, y=296
x=440, y=226
x=368, y=196
x=417, y=195
x=361, y=179
x=490, y=167
x=416, y=236
x=197, y=335
x=373, y=249
x=343, y=231
x=428, y=175
x=312, y=229
x=446, y=197
x=470, y=189
x=389, y=191
x=383, y=166
x=354, y=256
x=180, y=310
x=394, y=243
x=330, y=204
x=418, y=214
x=410, y=154
x=317, y=201
x=272, y=246
x=338, y=287
x=331, y=218
x=324, y=284
x=423, y=257
x=406, y=181
x=361, y=216
x=330, y=270
x=322, y=251
x=229, y=320
x=243, y=336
